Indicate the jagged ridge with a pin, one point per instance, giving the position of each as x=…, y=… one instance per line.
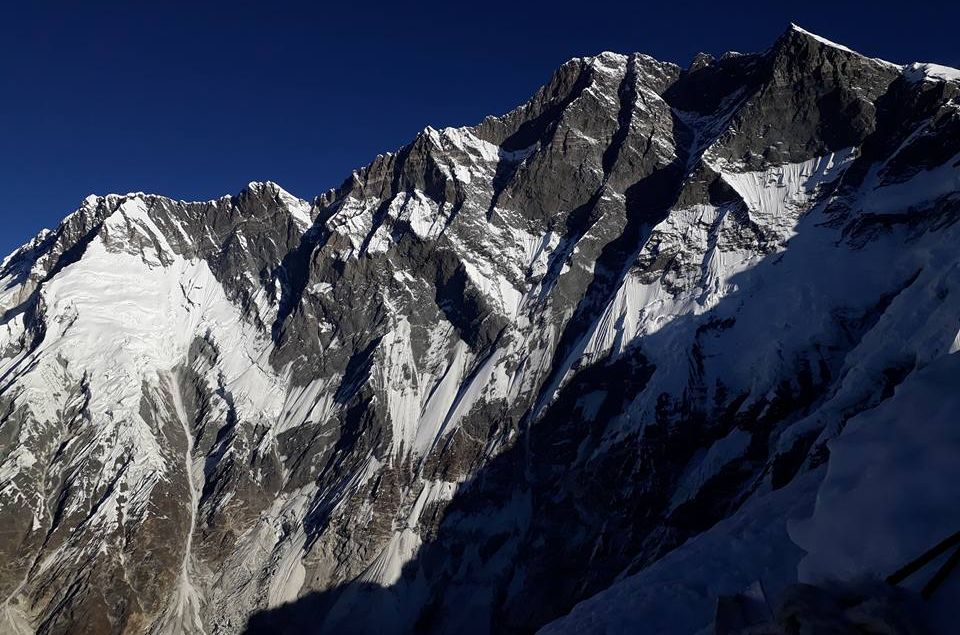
x=489, y=373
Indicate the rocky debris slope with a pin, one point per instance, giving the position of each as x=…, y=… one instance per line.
x=495, y=373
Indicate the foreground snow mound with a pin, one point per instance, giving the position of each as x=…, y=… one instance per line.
x=890, y=491
x=678, y=594
x=887, y=497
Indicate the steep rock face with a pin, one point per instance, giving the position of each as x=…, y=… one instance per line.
x=491, y=373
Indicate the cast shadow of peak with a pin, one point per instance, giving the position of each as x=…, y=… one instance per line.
x=537, y=530
x=315, y=613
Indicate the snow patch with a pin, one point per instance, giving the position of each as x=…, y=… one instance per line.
x=924, y=187
x=720, y=454
x=778, y=194
x=931, y=72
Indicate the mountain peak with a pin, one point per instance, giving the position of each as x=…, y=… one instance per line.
x=798, y=30
x=795, y=33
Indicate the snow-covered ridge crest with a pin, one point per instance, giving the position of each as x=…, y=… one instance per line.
x=919, y=71
x=822, y=40
x=98, y=207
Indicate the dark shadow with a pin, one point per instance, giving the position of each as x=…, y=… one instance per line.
x=306, y=615
x=546, y=523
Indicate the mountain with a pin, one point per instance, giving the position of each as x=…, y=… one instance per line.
x=654, y=336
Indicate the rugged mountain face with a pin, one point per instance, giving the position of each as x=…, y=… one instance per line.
x=605, y=345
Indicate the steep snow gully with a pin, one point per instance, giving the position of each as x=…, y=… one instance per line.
x=187, y=608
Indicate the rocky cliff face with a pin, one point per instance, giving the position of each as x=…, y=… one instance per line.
x=491, y=374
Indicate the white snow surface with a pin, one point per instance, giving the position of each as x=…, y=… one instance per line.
x=924, y=187
x=883, y=450
x=678, y=593
x=710, y=463
x=890, y=490
x=820, y=39
x=121, y=320
x=920, y=71
x=888, y=495
x=776, y=199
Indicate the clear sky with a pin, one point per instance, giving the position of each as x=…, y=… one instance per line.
x=195, y=99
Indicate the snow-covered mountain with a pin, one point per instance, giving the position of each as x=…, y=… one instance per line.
x=654, y=336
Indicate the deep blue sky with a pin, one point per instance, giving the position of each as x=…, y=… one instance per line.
x=193, y=100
